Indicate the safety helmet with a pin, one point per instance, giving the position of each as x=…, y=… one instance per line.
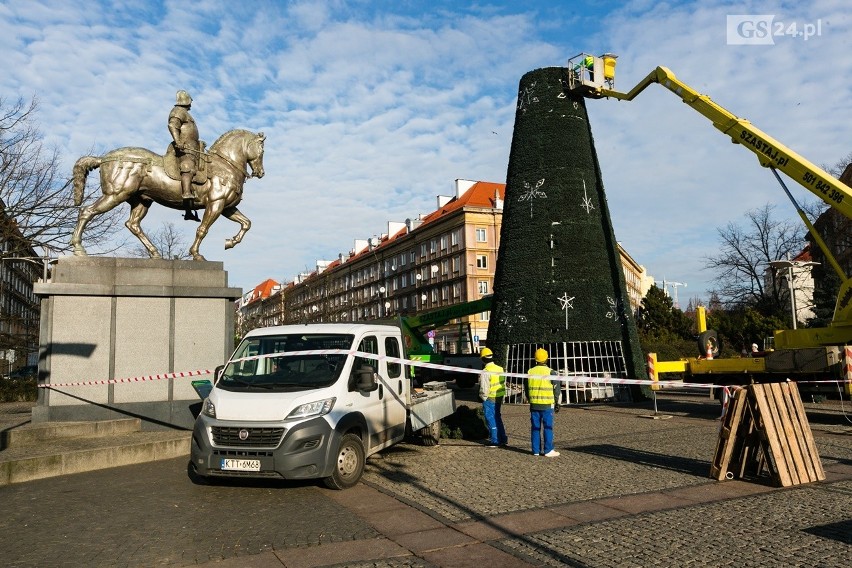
x=183, y=98
x=540, y=355
x=485, y=353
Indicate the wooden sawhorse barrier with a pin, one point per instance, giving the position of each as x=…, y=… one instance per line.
x=765, y=428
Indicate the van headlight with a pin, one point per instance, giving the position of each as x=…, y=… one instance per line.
x=310, y=409
x=209, y=408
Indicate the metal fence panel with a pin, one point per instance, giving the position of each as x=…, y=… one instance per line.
x=588, y=363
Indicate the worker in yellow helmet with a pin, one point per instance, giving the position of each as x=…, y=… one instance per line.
x=539, y=390
x=492, y=389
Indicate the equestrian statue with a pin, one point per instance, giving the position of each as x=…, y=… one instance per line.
x=187, y=177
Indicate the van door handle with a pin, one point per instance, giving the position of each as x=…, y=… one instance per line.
x=381, y=391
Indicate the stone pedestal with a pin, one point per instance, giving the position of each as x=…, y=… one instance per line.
x=119, y=318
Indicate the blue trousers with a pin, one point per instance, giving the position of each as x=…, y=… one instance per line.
x=494, y=422
x=541, y=420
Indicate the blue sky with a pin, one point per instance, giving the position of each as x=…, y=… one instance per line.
x=371, y=109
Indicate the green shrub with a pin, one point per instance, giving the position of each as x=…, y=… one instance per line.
x=465, y=423
x=18, y=390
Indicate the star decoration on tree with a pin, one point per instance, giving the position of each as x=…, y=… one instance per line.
x=532, y=193
x=513, y=314
x=566, y=304
x=616, y=310
x=587, y=203
x=526, y=98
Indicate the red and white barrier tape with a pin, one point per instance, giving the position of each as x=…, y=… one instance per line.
x=178, y=375
x=558, y=378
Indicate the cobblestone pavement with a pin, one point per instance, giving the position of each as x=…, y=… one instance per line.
x=605, y=452
x=151, y=514
x=626, y=491
x=803, y=526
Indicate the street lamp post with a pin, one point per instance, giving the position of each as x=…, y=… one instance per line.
x=790, y=265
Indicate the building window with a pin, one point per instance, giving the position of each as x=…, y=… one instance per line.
x=482, y=286
x=456, y=290
x=445, y=266
x=423, y=249
x=443, y=242
x=454, y=238
x=456, y=264
x=445, y=292
x=413, y=256
x=482, y=261
x=485, y=316
x=480, y=236
x=433, y=246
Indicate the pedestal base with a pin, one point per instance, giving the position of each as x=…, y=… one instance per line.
x=124, y=318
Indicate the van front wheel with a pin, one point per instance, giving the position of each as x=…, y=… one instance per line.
x=349, y=464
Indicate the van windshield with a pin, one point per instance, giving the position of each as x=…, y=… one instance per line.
x=262, y=363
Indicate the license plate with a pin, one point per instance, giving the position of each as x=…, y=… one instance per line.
x=240, y=465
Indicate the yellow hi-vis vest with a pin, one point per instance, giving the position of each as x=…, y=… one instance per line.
x=540, y=388
x=498, y=382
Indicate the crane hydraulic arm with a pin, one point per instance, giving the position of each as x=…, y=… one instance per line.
x=597, y=81
x=415, y=327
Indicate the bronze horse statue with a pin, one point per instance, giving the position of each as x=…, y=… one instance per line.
x=138, y=176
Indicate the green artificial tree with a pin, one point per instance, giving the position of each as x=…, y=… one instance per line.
x=559, y=277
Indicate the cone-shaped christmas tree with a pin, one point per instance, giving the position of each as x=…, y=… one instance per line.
x=559, y=279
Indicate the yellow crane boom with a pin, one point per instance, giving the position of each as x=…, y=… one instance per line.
x=594, y=77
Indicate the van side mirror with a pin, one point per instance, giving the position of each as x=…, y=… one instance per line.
x=217, y=372
x=365, y=379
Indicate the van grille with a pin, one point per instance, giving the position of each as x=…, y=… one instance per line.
x=257, y=437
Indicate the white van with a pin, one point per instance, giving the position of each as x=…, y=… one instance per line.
x=308, y=401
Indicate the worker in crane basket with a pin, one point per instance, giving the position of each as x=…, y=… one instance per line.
x=492, y=389
x=587, y=63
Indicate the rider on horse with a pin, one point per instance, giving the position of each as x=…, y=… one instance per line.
x=185, y=135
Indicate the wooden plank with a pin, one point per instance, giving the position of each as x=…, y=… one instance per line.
x=807, y=435
x=790, y=442
x=751, y=460
x=771, y=437
x=727, y=437
x=798, y=444
x=782, y=422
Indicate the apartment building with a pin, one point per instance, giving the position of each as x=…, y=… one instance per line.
x=636, y=279
x=259, y=307
x=439, y=259
x=20, y=267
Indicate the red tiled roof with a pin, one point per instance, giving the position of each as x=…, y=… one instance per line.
x=263, y=290
x=805, y=255
x=480, y=194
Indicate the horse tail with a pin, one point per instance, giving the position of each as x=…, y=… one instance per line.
x=81, y=170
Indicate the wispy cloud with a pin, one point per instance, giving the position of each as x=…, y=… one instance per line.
x=371, y=109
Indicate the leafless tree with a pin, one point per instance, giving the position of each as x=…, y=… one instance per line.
x=745, y=252
x=169, y=242
x=34, y=193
